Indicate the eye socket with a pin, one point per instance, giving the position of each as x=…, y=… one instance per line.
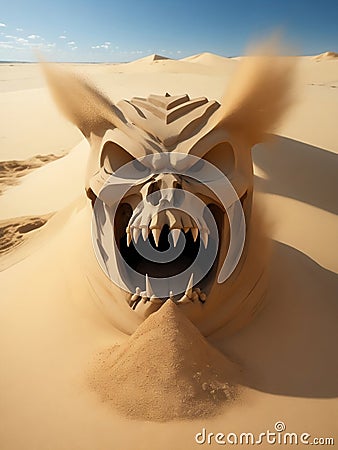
x=115, y=159
x=222, y=156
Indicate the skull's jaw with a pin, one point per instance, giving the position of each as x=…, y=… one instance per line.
x=199, y=285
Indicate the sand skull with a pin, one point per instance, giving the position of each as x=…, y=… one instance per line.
x=170, y=179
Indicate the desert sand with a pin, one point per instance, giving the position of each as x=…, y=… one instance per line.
x=52, y=325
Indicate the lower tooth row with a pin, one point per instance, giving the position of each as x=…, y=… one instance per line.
x=190, y=295
x=196, y=295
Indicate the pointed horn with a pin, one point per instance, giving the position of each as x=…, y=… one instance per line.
x=258, y=96
x=81, y=102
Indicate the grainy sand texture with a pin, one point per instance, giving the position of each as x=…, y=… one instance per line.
x=69, y=378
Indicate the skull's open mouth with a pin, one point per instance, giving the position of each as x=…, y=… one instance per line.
x=193, y=245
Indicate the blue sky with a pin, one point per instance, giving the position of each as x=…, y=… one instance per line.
x=115, y=30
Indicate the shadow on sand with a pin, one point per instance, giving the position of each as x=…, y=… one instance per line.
x=299, y=171
x=291, y=347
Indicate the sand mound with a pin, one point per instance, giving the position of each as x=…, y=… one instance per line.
x=11, y=171
x=166, y=370
x=326, y=56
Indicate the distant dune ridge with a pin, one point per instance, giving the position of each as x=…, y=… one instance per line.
x=206, y=58
x=326, y=56
x=153, y=58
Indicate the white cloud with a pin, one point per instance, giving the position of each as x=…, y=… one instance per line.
x=19, y=29
x=9, y=36
x=51, y=44
x=33, y=36
x=74, y=48
x=179, y=51
x=107, y=43
x=62, y=37
x=3, y=25
x=71, y=43
x=21, y=40
x=5, y=45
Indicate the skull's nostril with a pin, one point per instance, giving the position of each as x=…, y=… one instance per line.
x=154, y=193
x=153, y=188
x=177, y=185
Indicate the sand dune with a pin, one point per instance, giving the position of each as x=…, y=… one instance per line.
x=158, y=63
x=207, y=58
x=53, y=324
x=326, y=56
x=15, y=232
x=152, y=58
x=62, y=181
x=12, y=171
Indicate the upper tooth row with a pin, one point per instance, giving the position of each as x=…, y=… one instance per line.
x=134, y=233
